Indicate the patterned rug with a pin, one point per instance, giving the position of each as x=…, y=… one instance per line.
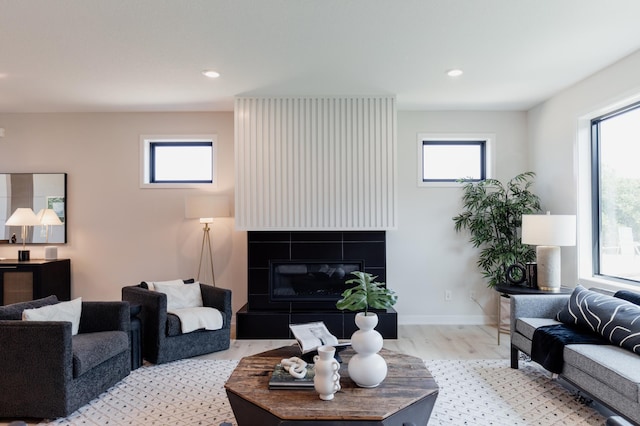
x=472, y=392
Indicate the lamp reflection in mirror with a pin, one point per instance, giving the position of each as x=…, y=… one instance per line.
x=206, y=208
x=549, y=232
x=48, y=217
x=23, y=217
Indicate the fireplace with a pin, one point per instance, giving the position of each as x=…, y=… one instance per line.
x=309, y=281
x=297, y=276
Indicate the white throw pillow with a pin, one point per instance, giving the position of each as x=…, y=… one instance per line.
x=151, y=285
x=63, y=311
x=181, y=296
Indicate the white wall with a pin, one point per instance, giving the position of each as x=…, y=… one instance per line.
x=120, y=234
x=554, y=142
x=425, y=256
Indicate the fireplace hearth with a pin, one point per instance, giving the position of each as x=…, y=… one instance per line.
x=297, y=277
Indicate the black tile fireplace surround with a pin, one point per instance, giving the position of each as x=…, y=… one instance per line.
x=318, y=260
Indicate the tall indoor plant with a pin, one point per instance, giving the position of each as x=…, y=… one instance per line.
x=493, y=215
x=366, y=368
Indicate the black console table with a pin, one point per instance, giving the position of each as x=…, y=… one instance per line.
x=21, y=281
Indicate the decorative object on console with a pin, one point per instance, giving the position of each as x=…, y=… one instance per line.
x=497, y=234
x=548, y=232
x=206, y=208
x=23, y=217
x=48, y=217
x=366, y=368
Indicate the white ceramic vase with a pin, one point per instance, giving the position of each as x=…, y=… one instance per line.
x=367, y=368
x=326, y=380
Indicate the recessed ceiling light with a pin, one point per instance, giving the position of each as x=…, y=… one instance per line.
x=211, y=73
x=454, y=72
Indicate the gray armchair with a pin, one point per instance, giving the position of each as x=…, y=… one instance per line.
x=45, y=372
x=163, y=340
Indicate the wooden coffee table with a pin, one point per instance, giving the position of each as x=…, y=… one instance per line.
x=406, y=396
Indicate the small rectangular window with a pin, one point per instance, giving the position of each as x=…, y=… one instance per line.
x=446, y=160
x=177, y=161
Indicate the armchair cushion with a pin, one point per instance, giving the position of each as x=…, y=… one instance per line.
x=150, y=285
x=14, y=311
x=63, y=311
x=92, y=349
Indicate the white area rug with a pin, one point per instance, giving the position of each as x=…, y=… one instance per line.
x=472, y=392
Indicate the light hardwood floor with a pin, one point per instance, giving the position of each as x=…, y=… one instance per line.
x=423, y=341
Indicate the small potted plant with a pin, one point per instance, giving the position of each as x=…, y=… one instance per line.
x=366, y=368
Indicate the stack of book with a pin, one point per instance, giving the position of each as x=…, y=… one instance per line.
x=281, y=379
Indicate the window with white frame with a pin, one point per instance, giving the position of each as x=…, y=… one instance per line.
x=177, y=161
x=450, y=158
x=615, y=174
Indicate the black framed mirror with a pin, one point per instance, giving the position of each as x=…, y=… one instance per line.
x=38, y=191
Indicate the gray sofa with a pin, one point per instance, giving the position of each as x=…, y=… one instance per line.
x=607, y=373
x=45, y=372
x=163, y=340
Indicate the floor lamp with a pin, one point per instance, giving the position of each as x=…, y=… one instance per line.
x=206, y=208
x=548, y=232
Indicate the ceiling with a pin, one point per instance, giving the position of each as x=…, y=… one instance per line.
x=148, y=55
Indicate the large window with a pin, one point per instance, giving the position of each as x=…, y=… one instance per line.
x=177, y=161
x=615, y=141
x=449, y=158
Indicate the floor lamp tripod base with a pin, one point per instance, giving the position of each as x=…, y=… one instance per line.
x=206, y=243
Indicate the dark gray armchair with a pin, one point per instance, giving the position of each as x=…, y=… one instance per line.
x=163, y=340
x=45, y=372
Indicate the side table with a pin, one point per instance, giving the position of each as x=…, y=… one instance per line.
x=506, y=290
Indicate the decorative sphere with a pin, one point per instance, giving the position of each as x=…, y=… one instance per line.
x=367, y=371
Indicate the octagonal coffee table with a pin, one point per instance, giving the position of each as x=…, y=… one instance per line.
x=405, y=397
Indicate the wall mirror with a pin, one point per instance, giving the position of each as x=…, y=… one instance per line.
x=38, y=191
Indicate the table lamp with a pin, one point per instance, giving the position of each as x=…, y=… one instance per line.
x=23, y=216
x=548, y=232
x=206, y=208
x=48, y=217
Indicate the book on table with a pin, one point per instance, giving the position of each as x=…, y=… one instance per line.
x=281, y=379
x=312, y=335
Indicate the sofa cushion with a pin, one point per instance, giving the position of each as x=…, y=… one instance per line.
x=63, y=311
x=173, y=325
x=629, y=296
x=14, y=311
x=150, y=284
x=616, y=367
x=613, y=318
x=92, y=349
x=527, y=326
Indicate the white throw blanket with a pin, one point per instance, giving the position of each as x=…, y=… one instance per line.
x=192, y=319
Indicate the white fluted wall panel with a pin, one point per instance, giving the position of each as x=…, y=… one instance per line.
x=315, y=163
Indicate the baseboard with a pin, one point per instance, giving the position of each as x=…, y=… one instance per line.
x=447, y=319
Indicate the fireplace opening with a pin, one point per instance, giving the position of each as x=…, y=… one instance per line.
x=310, y=281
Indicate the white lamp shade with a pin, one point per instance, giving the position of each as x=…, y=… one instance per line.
x=549, y=230
x=48, y=217
x=206, y=206
x=23, y=216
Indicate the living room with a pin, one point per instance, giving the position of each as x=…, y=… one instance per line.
x=120, y=234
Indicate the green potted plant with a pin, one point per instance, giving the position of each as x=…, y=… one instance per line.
x=365, y=294
x=493, y=216
x=366, y=368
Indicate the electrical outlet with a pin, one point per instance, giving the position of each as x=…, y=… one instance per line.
x=447, y=295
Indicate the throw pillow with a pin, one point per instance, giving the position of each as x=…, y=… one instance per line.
x=14, y=311
x=63, y=311
x=181, y=295
x=615, y=319
x=150, y=285
x=630, y=296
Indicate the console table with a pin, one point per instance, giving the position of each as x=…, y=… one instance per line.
x=406, y=396
x=21, y=281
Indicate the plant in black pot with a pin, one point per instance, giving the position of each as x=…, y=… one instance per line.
x=493, y=216
x=366, y=368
